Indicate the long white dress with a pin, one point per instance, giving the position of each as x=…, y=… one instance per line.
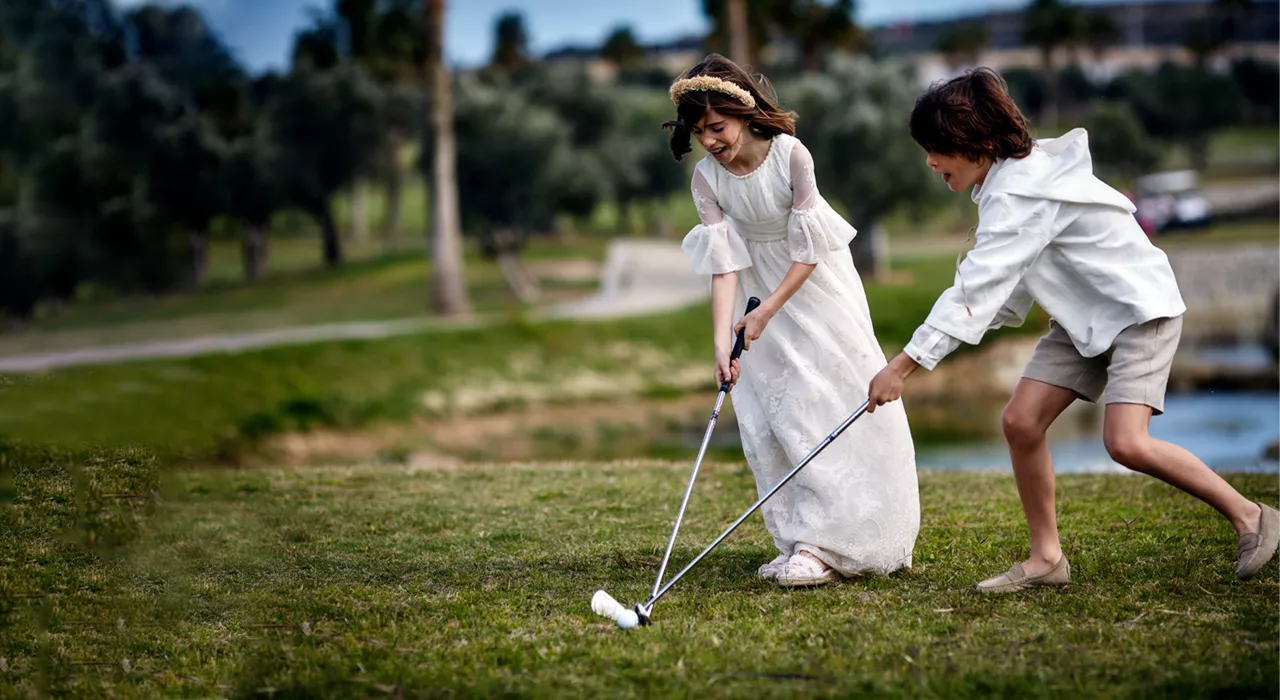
x=856, y=506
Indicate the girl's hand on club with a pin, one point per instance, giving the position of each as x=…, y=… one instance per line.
x=754, y=324
x=727, y=370
x=888, y=384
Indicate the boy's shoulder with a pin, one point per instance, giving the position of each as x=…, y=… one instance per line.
x=1057, y=169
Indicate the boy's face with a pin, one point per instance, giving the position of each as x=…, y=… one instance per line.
x=958, y=172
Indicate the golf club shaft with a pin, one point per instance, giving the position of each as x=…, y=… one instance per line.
x=725, y=385
x=702, y=451
x=821, y=446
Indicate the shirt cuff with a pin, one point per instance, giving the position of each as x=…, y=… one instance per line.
x=929, y=345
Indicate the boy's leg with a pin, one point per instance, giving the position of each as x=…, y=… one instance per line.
x=1033, y=408
x=1055, y=377
x=1131, y=445
x=1138, y=375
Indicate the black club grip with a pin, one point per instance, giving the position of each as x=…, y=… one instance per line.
x=752, y=303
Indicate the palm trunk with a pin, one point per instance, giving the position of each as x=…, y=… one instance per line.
x=332, y=243
x=359, y=212
x=739, y=38
x=253, y=252
x=198, y=244
x=865, y=251
x=1050, y=115
x=394, y=183
x=448, y=286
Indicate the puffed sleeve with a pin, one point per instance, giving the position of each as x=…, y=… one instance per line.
x=713, y=246
x=814, y=227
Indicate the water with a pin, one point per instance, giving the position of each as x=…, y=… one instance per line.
x=1230, y=431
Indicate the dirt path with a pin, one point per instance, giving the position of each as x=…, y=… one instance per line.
x=638, y=278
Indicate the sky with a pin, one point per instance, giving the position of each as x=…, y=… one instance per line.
x=260, y=32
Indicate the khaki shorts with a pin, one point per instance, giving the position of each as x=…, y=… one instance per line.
x=1134, y=370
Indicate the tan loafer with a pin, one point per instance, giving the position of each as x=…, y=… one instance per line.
x=1016, y=579
x=1256, y=548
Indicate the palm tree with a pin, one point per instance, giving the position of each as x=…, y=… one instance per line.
x=448, y=283
x=739, y=34
x=1050, y=25
x=963, y=44
x=511, y=48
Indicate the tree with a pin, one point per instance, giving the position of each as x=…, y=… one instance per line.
x=1101, y=33
x=818, y=28
x=622, y=49
x=1050, y=25
x=1120, y=146
x=185, y=181
x=963, y=43
x=186, y=54
x=1260, y=83
x=511, y=42
x=853, y=114
x=1184, y=104
x=516, y=169
x=328, y=128
x=448, y=282
x=739, y=28
x=252, y=195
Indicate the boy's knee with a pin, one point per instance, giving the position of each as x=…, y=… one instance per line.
x=1128, y=450
x=1020, y=428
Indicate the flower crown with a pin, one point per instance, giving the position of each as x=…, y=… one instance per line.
x=712, y=84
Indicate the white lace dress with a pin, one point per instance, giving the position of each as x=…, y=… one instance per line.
x=856, y=506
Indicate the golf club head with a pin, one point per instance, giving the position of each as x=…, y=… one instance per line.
x=643, y=613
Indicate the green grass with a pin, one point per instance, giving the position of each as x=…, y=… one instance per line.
x=296, y=291
x=218, y=405
x=385, y=581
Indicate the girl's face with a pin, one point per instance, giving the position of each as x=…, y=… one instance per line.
x=958, y=172
x=720, y=134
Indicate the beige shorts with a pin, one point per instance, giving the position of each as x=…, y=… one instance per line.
x=1134, y=370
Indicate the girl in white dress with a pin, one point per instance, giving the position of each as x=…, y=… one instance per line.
x=767, y=232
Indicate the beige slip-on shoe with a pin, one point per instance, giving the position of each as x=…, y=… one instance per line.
x=1015, y=579
x=1256, y=548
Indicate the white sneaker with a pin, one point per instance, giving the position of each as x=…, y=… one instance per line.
x=771, y=569
x=801, y=570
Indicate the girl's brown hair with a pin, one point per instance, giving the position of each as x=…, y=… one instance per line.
x=972, y=116
x=765, y=119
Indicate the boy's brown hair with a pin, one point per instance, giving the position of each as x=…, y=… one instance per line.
x=971, y=116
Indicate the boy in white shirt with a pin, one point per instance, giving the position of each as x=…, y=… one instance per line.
x=1051, y=232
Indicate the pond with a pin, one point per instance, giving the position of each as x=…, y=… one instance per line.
x=1230, y=431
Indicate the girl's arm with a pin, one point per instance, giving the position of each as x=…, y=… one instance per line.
x=724, y=286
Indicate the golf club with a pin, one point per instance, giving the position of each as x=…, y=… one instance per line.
x=752, y=303
x=603, y=604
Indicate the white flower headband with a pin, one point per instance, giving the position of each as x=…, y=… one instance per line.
x=712, y=84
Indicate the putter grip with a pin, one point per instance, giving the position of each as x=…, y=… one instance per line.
x=752, y=303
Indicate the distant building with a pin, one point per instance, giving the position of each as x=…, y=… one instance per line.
x=1150, y=33
x=671, y=56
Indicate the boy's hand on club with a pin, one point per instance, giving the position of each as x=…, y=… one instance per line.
x=754, y=324
x=888, y=384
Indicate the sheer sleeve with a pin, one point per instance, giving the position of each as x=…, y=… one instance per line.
x=713, y=246
x=815, y=227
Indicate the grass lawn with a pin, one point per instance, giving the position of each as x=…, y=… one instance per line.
x=296, y=291
x=216, y=405
x=120, y=580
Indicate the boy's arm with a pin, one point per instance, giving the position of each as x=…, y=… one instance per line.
x=988, y=291
x=929, y=345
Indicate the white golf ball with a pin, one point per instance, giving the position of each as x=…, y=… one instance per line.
x=628, y=619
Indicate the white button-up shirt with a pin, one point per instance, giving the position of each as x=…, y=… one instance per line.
x=1052, y=233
